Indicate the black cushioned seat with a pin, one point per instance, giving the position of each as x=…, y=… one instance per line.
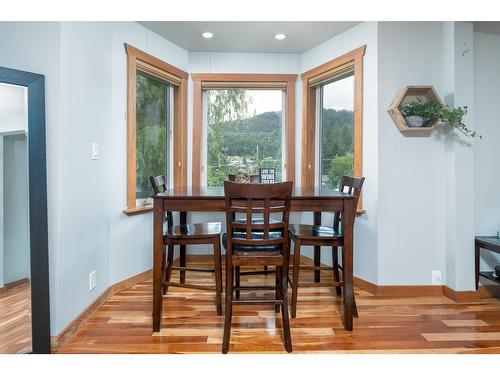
x=255, y=235
x=305, y=231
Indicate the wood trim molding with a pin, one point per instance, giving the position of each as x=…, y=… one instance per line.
x=243, y=77
x=180, y=135
x=138, y=210
x=461, y=295
x=156, y=62
x=14, y=284
x=131, y=131
x=179, y=125
x=308, y=135
x=309, y=126
x=290, y=131
x=197, y=133
x=199, y=78
x=413, y=290
x=332, y=64
x=72, y=328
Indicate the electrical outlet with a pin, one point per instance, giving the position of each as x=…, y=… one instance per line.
x=436, y=278
x=92, y=280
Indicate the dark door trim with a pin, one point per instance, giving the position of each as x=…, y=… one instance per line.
x=39, y=250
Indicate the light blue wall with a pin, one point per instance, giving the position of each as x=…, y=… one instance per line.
x=365, y=241
x=411, y=218
x=487, y=152
x=85, y=88
x=36, y=47
x=15, y=209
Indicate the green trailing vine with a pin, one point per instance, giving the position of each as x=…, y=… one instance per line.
x=434, y=111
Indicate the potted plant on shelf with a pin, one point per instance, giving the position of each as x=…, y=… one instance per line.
x=419, y=114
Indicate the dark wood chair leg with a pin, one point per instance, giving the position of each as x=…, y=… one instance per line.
x=317, y=251
x=218, y=276
x=164, y=268
x=182, y=263
x=284, y=296
x=354, y=306
x=477, y=257
x=168, y=271
x=278, y=290
x=182, y=251
x=237, y=279
x=295, y=276
x=335, y=265
x=229, y=305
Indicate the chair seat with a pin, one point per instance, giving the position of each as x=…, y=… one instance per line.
x=314, y=232
x=201, y=230
x=255, y=236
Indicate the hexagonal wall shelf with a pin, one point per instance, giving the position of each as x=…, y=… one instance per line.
x=426, y=93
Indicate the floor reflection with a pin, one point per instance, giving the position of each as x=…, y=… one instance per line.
x=15, y=324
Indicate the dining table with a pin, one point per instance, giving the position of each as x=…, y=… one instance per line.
x=211, y=199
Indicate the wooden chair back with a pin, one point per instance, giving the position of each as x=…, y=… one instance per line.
x=159, y=185
x=261, y=200
x=352, y=186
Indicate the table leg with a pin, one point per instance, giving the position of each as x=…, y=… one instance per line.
x=347, y=272
x=182, y=251
x=157, y=263
x=477, y=260
x=317, y=250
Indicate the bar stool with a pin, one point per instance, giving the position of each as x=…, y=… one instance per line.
x=257, y=243
x=189, y=234
x=315, y=235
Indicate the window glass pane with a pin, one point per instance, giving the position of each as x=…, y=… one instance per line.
x=244, y=133
x=337, y=130
x=151, y=132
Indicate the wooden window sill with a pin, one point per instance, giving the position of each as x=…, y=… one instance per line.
x=138, y=210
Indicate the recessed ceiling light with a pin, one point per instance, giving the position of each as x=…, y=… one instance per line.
x=207, y=35
x=280, y=36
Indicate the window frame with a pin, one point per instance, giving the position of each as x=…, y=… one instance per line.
x=311, y=80
x=138, y=60
x=283, y=82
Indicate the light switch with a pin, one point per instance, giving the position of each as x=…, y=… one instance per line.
x=94, y=151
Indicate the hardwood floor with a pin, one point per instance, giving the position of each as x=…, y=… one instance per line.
x=15, y=319
x=385, y=325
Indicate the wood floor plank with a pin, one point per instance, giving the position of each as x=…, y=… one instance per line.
x=385, y=325
x=15, y=319
x=464, y=322
x=462, y=336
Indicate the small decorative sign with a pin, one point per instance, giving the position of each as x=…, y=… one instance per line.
x=267, y=175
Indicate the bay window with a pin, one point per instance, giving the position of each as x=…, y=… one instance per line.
x=157, y=123
x=243, y=122
x=332, y=121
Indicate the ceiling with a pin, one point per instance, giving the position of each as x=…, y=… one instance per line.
x=248, y=36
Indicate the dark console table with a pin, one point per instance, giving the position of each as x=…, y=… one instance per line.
x=490, y=243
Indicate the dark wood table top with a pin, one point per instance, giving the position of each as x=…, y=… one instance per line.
x=218, y=193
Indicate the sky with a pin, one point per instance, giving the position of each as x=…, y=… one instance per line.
x=337, y=95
